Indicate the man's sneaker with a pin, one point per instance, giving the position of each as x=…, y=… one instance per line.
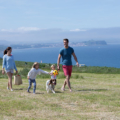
x=70, y=90
x=63, y=89
x=11, y=89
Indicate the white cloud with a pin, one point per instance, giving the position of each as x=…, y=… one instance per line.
x=22, y=29
x=77, y=30
x=34, y=34
x=7, y=30
x=28, y=29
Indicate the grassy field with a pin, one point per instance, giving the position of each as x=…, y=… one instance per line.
x=94, y=97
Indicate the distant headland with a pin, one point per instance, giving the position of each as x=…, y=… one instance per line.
x=49, y=45
x=89, y=43
x=94, y=43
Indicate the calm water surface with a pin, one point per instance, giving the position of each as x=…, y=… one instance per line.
x=89, y=55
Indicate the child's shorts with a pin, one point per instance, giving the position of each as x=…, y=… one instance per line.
x=11, y=71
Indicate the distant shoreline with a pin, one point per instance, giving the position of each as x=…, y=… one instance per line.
x=57, y=47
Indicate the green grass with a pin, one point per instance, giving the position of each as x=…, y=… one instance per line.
x=94, y=97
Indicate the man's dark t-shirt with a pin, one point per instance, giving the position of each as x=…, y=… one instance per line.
x=67, y=55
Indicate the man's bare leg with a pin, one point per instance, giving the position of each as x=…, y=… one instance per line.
x=67, y=81
x=63, y=87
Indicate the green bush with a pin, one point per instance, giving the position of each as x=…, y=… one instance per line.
x=44, y=76
x=96, y=69
x=24, y=72
x=83, y=69
x=3, y=76
x=61, y=75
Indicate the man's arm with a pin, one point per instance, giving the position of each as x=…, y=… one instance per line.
x=58, y=61
x=75, y=59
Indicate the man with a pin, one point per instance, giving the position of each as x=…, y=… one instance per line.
x=66, y=54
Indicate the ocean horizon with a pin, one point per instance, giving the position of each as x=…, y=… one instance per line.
x=107, y=55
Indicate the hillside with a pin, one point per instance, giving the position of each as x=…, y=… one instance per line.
x=93, y=97
x=25, y=67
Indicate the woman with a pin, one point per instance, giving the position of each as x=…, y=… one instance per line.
x=9, y=66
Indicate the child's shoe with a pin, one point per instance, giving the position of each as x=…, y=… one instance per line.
x=28, y=91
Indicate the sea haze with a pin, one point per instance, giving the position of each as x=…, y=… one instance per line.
x=107, y=55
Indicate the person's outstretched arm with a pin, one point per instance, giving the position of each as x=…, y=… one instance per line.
x=58, y=61
x=42, y=71
x=75, y=59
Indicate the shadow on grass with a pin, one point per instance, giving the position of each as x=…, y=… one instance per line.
x=93, y=90
x=58, y=92
x=39, y=93
x=20, y=89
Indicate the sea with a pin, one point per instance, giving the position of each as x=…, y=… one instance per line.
x=108, y=55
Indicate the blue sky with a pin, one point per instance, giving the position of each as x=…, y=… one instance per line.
x=50, y=19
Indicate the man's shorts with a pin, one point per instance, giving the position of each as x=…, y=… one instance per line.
x=11, y=71
x=67, y=70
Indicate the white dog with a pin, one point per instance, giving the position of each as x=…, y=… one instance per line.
x=50, y=85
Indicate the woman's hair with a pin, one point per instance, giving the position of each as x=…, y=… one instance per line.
x=6, y=50
x=34, y=65
x=52, y=66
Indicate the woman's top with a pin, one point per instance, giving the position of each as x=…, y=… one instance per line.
x=33, y=73
x=8, y=62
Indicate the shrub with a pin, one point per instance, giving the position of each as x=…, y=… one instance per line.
x=24, y=72
x=83, y=69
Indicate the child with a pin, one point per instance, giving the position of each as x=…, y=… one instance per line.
x=53, y=68
x=32, y=75
x=50, y=84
